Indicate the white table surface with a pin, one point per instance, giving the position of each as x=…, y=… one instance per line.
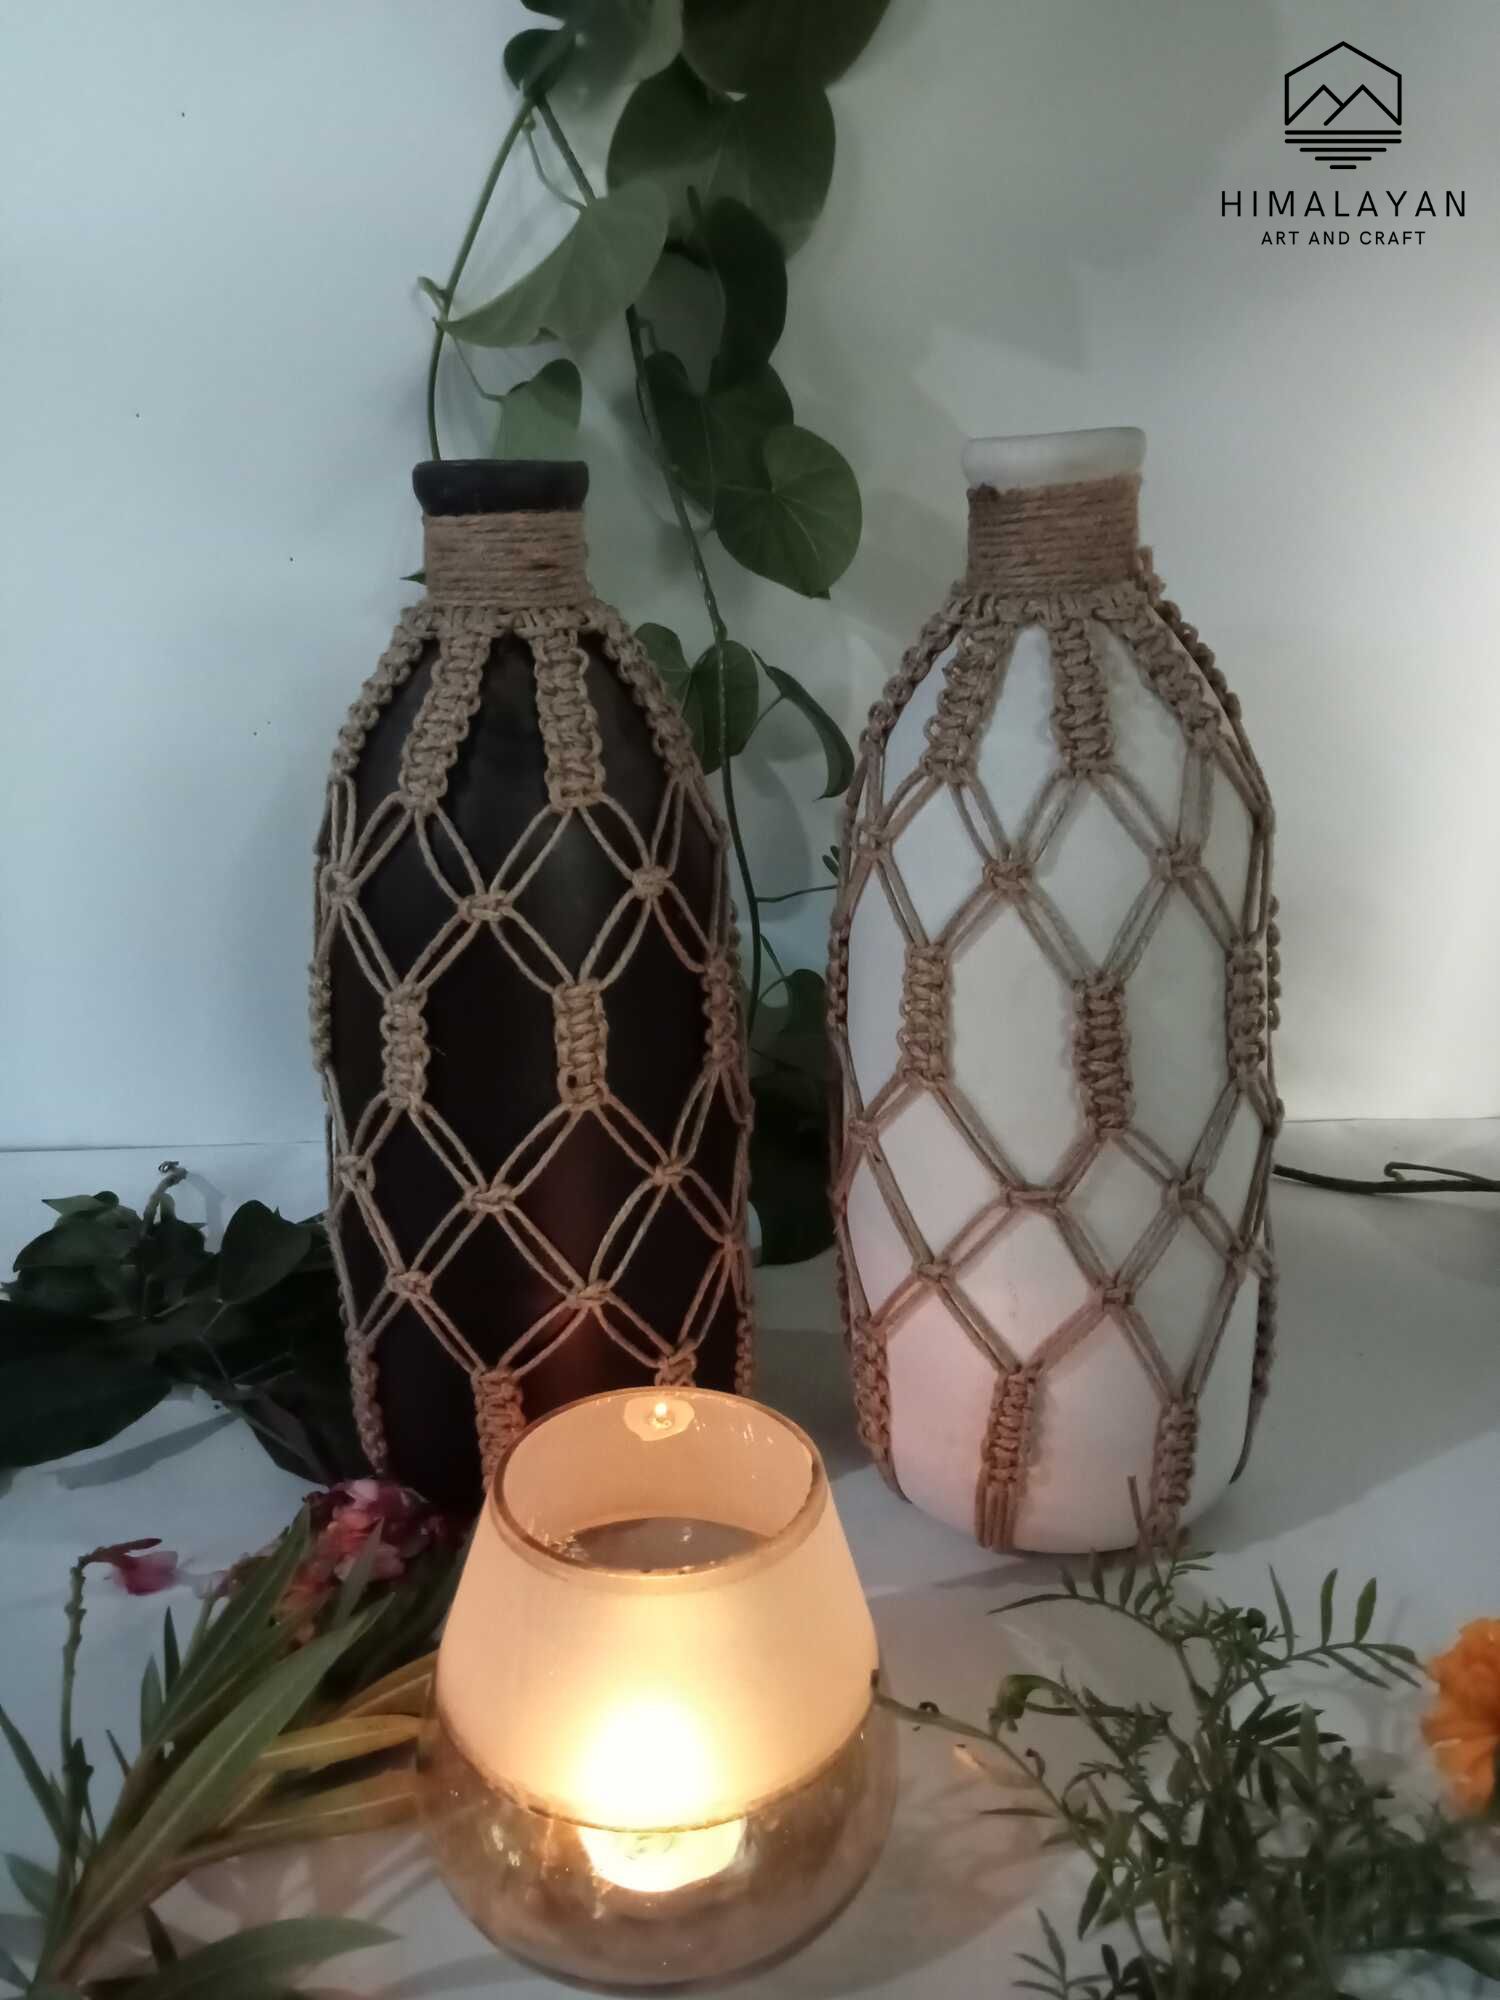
x=1379, y=1451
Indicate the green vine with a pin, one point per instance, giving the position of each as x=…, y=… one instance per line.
x=716, y=168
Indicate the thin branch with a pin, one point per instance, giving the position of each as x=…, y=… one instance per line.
x=517, y=126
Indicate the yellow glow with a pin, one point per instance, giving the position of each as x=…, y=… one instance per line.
x=647, y=1764
x=652, y=1863
x=652, y=1417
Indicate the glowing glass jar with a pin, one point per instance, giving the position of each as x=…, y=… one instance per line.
x=654, y=1756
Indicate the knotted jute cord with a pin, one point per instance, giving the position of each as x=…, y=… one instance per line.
x=491, y=577
x=1065, y=558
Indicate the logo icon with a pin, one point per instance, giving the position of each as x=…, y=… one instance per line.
x=1343, y=107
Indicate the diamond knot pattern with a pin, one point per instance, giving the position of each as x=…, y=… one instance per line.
x=526, y=1012
x=1052, y=987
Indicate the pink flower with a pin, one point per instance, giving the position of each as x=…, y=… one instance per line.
x=345, y=1519
x=141, y=1575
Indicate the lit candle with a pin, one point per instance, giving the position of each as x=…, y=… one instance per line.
x=650, y=1759
x=654, y=1755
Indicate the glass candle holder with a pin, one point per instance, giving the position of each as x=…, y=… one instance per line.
x=654, y=1757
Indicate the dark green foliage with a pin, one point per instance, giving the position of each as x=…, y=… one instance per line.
x=139, y=1304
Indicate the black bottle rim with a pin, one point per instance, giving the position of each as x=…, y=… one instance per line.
x=500, y=485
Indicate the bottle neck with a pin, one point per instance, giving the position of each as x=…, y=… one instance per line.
x=1030, y=541
x=527, y=559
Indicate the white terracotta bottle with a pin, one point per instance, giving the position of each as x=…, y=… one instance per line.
x=1052, y=986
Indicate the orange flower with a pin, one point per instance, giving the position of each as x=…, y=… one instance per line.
x=1463, y=1726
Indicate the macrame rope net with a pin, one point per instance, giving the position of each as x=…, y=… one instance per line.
x=1063, y=558
x=490, y=575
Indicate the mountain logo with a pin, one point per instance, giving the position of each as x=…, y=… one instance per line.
x=1342, y=107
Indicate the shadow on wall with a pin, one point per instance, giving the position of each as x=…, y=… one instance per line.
x=993, y=153
x=1369, y=1382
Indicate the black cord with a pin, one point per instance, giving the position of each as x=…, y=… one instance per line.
x=1448, y=1180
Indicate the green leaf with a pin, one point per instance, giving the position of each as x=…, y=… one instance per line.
x=1088, y=1909
x=772, y=150
x=664, y=650
x=34, y=1883
x=1307, y=1743
x=536, y=57
x=225, y=1641
x=29, y=1328
x=256, y=1962
x=158, y=1937
x=387, y=1799
x=1054, y=1942
x=799, y=522
x=838, y=755
x=741, y=702
x=615, y=38
x=260, y=1248
x=1284, y=1613
x=151, y=1702
x=1325, y=1606
x=192, y=1798
x=11, y=1973
x=37, y=1782
x=748, y=44
x=49, y=1410
x=82, y=1293
x=1467, y=1947
x=789, y=1175
x=80, y=1204
x=81, y=1240
x=715, y=439
x=747, y=262
x=1364, y=1610
x=325, y=1743
x=171, y=1657
x=600, y=267
x=539, y=418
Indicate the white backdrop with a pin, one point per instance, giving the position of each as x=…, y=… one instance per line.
x=213, y=355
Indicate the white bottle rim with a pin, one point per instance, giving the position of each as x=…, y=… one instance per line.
x=1053, y=458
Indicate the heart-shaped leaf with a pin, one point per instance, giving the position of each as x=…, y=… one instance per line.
x=798, y=521
x=838, y=757
x=715, y=439
x=741, y=702
x=539, y=418
x=49, y=1409
x=537, y=57
x=772, y=150
x=746, y=44
x=600, y=267
x=747, y=262
x=260, y=1248
x=664, y=650
x=695, y=689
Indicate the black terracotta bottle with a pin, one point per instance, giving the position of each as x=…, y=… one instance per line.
x=525, y=1004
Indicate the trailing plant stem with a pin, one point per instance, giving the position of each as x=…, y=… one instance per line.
x=700, y=569
x=517, y=126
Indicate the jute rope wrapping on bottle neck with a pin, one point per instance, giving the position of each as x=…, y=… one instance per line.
x=1064, y=558
x=490, y=576
x=1042, y=540
x=536, y=559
